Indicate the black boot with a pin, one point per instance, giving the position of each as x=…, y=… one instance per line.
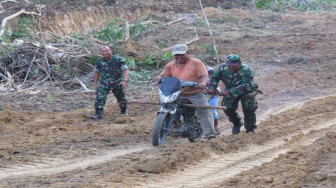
x=123, y=110
x=98, y=114
x=251, y=128
x=235, y=119
x=236, y=128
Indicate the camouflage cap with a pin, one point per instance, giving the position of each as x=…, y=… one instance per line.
x=232, y=60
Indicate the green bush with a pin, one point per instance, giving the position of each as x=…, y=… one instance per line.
x=141, y=75
x=112, y=32
x=150, y=60
x=167, y=56
x=131, y=63
x=262, y=3
x=6, y=48
x=300, y=4
x=23, y=29
x=137, y=28
x=209, y=48
x=93, y=59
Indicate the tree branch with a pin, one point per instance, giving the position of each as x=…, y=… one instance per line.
x=83, y=85
x=4, y=21
x=210, y=31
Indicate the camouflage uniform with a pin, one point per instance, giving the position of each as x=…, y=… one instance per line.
x=110, y=77
x=241, y=87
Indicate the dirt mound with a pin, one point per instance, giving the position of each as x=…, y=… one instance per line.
x=293, y=169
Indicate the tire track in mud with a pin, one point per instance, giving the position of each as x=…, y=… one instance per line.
x=218, y=168
x=49, y=166
x=57, y=165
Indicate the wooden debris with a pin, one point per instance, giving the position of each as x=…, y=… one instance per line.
x=187, y=105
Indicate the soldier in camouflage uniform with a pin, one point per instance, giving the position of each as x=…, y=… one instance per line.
x=111, y=73
x=239, y=85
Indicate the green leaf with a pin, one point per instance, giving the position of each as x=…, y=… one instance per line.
x=51, y=99
x=262, y=3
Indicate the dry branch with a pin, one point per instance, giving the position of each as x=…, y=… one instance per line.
x=186, y=105
x=175, y=21
x=4, y=21
x=210, y=31
x=30, y=65
x=318, y=65
x=46, y=52
x=196, y=38
x=5, y=1
x=152, y=30
x=127, y=32
x=11, y=82
x=99, y=41
x=3, y=76
x=83, y=85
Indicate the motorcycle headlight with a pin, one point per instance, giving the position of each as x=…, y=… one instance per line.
x=170, y=98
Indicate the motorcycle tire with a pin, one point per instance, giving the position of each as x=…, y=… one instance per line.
x=195, y=133
x=159, y=134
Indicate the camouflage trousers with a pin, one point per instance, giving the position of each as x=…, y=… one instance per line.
x=249, y=105
x=104, y=89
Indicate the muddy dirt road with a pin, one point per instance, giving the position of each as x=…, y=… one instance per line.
x=294, y=60
x=181, y=164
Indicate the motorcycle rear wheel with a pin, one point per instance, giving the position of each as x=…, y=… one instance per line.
x=160, y=129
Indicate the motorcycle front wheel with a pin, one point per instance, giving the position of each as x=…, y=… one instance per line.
x=195, y=131
x=160, y=129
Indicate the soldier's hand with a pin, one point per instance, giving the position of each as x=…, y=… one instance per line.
x=96, y=87
x=224, y=93
x=211, y=91
x=123, y=84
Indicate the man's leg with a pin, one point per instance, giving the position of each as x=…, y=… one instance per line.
x=231, y=104
x=101, y=96
x=119, y=93
x=213, y=101
x=205, y=115
x=250, y=105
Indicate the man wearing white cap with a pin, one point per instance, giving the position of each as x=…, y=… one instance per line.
x=187, y=68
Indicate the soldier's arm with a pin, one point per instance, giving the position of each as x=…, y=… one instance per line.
x=125, y=75
x=96, y=75
x=95, y=80
x=125, y=72
x=124, y=69
x=213, y=84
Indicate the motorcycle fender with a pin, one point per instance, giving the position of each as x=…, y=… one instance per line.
x=164, y=110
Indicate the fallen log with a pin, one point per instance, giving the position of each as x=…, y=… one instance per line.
x=187, y=105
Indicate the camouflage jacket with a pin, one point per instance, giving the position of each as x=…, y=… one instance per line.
x=111, y=69
x=237, y=83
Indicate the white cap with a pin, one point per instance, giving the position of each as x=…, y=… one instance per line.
x=180, y=49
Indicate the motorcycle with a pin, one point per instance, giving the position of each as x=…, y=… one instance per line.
x=174, y=117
